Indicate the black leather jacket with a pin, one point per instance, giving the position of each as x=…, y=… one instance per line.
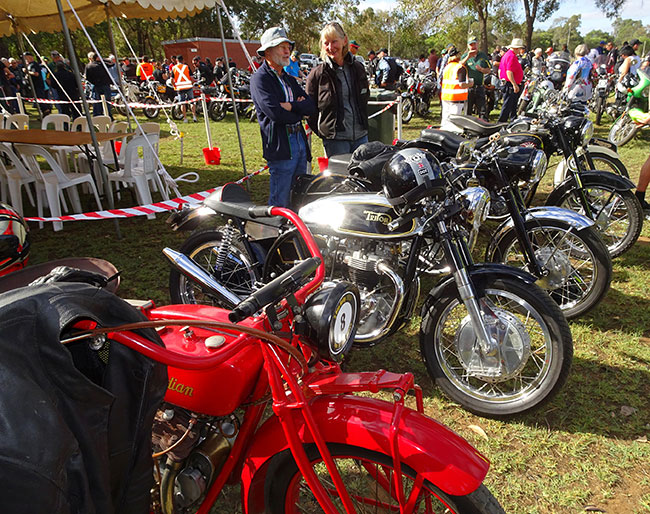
x=325, y=89
x=76, y=423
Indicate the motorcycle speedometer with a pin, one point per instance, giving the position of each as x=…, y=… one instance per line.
x=332, y=314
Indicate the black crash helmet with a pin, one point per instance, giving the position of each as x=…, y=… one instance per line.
x=14, y=239
x=410, y=175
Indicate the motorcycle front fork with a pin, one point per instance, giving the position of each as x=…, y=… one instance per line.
x=459, y=265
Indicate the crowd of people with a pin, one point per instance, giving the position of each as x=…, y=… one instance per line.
x=336, y=91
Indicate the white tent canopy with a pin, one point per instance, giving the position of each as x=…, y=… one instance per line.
x=42, y=15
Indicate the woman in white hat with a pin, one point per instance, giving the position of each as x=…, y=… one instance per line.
x=511, y=75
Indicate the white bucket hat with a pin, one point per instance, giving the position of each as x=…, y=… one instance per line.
x=517, y=43
x=273, y=37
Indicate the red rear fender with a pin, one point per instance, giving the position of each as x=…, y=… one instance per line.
x=443, y=457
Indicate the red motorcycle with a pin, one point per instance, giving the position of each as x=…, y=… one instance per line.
x=320, y=448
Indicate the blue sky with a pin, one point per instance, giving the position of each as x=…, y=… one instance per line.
x=592, y=17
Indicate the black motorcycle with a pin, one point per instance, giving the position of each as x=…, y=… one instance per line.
x=606, y=197
x=491, y=339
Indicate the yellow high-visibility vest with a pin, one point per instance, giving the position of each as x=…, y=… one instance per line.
x=451, y=90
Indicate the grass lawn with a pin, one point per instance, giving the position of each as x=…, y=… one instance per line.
x=588, y=447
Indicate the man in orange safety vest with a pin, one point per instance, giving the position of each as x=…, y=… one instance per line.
x=183, y=86
x=454, y=89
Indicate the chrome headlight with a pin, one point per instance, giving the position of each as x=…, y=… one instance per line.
x=539, y=165
x=587, y=132
x=478, y=208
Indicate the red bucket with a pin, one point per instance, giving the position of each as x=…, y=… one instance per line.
x=118, y=147
x=212, y=155
x=323, y=163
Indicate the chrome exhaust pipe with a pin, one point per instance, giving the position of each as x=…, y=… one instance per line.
x=195, y=273
x=400, y=292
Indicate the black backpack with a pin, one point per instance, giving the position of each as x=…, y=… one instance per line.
x=396, y=70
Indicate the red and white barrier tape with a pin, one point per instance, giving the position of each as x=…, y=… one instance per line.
x=143, y=210
x=383, y=110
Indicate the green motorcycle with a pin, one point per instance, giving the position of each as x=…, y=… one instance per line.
x=636, y=113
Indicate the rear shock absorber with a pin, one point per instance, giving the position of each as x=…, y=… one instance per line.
x=224, y=247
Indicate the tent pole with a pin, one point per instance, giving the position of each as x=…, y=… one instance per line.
x=21, y=49
x=91, y=127
x=232, y=93
x=117, y=61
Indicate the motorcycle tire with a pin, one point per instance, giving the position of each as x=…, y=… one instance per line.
x=621, y=219
x=604, y=162
x=237, y=272
x=120, y=107
x=285, y=489
x=151, y=112
x=623, y=130
x=538, y=337
x=578, y=263
x=177, y=112
x=599, y=108
x=408, y=108
x=217, y=111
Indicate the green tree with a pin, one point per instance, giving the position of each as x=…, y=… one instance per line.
x=594, y=37
x=537, y=10
x=566, y=31
x=627, y=30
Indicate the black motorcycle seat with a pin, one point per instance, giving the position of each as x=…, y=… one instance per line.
x=476, y=125
x=448, y=141
x=233, y=200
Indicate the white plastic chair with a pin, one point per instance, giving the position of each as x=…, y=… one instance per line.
x=140, y=171
x=52, y=182
x=16, y=176
x=149, y=127
x=17, y=121
x=102, y=123
x=58, y=121
x=79, y=124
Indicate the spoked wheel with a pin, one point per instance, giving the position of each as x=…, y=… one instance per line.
x=623, y=130
x=228, y=263
x=408, y=108
x=369, y=479
x=151, y=112
x=578, y=264
x=217, y=110
x=602, y=162
x=534, y=347
x=618, y=214
x=177, y=112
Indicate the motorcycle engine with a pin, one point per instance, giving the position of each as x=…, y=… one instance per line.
x=374, y=267
x=197, y=450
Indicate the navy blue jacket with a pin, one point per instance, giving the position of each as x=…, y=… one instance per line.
x=267, y=94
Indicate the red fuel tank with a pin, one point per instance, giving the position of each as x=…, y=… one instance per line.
x=214, y=392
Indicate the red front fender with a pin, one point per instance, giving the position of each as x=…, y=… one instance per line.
x=444, y=458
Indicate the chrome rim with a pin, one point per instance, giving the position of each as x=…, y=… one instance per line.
x=237, y=274
x=570, y=262
x=613, y=222
x=523, y=385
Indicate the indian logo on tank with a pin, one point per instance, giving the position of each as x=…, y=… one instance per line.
x=380, y=217
x=175, y=385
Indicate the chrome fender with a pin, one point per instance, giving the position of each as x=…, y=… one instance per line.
x=593, y=149
x=444, y=458
x=574, y=219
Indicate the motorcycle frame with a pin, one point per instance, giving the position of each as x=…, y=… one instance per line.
x=293, y=398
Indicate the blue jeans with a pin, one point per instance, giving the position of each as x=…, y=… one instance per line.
x=98, y=91
x=284, y=173
x=340, y=146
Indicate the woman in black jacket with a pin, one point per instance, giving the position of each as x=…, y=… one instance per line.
x=339, y=88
